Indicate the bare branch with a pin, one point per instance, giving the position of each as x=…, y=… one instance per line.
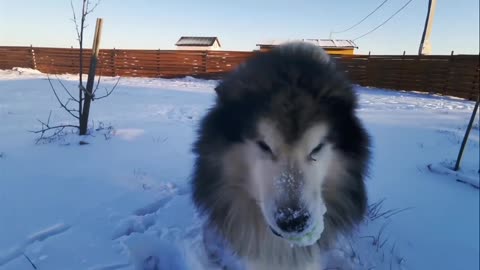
x=93, y=8
x=47, y=128
x=98, y=83
x=75, y=20
x=59, y=101
x=48, y=120
x=80, y=41
x=66, y=104
x=108, y=93
x=66, y=90
x=51, y=137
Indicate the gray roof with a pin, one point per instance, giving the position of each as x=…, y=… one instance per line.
x=197, y=41
x=324, y=43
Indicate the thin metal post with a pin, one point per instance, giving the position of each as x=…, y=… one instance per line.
x=465, y=137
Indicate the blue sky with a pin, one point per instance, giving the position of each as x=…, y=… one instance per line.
x=154, y=24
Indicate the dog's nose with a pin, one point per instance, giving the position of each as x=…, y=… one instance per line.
x=292, y=219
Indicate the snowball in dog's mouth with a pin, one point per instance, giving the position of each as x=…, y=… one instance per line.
x=307, y=238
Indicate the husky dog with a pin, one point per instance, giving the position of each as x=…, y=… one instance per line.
x=281, y=159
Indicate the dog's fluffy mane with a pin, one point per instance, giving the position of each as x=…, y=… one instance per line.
x=297, y=85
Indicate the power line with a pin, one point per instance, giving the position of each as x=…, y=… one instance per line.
x=370, y=14
x=380, y=25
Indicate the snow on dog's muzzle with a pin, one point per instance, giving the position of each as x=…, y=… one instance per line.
x=297, y=226
x=292, y=220
x=292, y=216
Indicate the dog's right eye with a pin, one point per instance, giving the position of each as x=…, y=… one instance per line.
x=264, y=147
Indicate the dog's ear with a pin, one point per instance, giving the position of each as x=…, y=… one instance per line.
x=235, y=84
x=223, y=94
x=220, y=90
x=230, y=90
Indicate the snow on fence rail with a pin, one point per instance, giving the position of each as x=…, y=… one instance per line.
x=454, y=75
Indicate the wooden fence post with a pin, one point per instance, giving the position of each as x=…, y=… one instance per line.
x=368, y=79
x=420, y=76
x=32, y=54
x=157, y=62
x=205, y=60
x=402, y=72
x=114, y=68
x=447, y=76
x=91, y=78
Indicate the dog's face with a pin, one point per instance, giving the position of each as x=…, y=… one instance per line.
x=282, y=136
x=285, y=179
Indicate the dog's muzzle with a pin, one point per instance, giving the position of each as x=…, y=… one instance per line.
x=275, y=232
x=292, y=220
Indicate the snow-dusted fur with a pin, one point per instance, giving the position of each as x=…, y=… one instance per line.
x=282, y=134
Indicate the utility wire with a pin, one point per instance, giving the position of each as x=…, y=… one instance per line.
x=380, y=25
x=370, y=14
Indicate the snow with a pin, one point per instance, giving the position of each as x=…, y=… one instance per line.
x=459, y=176
x=36, y=237
x=122, y=201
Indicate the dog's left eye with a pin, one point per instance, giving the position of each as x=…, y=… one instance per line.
x=315, y=151
x=265, y=148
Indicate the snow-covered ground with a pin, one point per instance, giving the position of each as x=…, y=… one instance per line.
x=122, y=201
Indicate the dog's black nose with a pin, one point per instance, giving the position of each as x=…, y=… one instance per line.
x=292, y=219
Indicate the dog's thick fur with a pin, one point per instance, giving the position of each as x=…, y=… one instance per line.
x=283, y=95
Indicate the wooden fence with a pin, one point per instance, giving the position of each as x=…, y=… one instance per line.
x=455, y=75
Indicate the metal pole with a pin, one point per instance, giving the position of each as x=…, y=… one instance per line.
x=425, y=45
x=467, y=132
